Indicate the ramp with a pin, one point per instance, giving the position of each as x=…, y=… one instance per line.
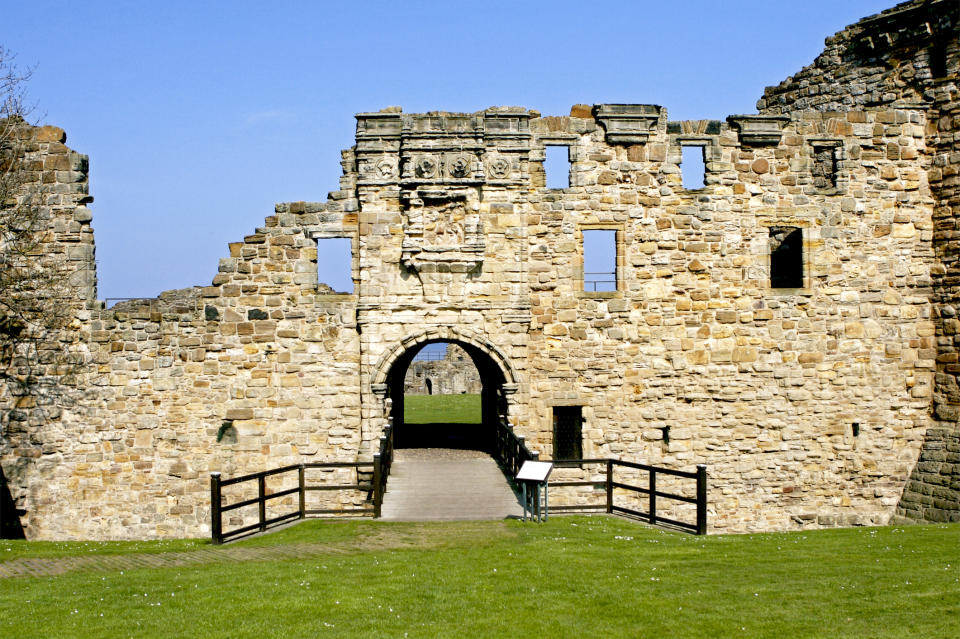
x=442, y=484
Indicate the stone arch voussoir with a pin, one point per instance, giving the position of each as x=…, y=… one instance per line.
x=443, y=333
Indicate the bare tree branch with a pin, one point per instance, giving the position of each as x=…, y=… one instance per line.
x=35, y=349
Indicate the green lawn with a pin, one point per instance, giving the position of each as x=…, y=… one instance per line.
x=17, y=548
x=570, y=577
x=446, y=409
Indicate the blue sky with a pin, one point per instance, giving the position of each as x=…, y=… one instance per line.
x=198, y=117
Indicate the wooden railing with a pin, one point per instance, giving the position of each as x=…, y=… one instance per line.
x=511, y=450
x=382, y=463
x=650, y=491
x=379, y=467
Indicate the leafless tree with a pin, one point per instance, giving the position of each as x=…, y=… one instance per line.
x=35, y=357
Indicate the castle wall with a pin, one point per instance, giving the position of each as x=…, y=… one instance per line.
x=909, y=55
x=259, y=369
x=762, y=385
x=823, y=390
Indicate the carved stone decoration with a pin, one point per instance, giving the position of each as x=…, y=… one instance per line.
x=386, y=169
x=442, y=232
x=458, y=166
x=443, y=226
x=499, y=167
x=426, y=166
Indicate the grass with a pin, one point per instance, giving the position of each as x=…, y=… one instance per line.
x=569, y=577
x=447, y=409
x=18, y=548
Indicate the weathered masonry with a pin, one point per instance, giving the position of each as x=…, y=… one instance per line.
x=450, y=375
x=792, y=323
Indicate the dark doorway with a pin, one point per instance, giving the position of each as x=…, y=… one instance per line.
x=10, y=527
x=786, y=257
x=446, y=416
x=567, y=432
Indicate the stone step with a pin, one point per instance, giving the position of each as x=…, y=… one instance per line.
x=433, y=485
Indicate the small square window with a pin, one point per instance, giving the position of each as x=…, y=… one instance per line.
x=693, y=167
x=599, y=260
x=567, y=432
x=786, y=257
x=825, y=166
x=334, y=257
x=937, y=58
x=557, y=166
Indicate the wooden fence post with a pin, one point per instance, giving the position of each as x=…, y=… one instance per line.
x=653, y=496
x=521, y=445
x=701, y=499
x=3, y=489
x=215, y=514
x=609, y=485
x=303, y=490
x=262, y=500
x=377, y=490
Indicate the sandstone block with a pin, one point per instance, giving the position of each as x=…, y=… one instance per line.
x=51, y=134
x=239, y=414
x=581, y=111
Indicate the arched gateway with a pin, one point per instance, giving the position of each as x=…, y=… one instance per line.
x=497, y=377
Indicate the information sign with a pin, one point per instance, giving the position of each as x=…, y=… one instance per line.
x=534, y=471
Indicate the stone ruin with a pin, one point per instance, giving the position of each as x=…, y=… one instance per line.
x=453, y=374
x=792, y=323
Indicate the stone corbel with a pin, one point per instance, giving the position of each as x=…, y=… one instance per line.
x=759, y=130
x=508, y=390
x=627, y=123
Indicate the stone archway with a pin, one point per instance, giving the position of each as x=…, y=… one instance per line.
x=498, y=382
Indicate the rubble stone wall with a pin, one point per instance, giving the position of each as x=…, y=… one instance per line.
x=909, y=55
x=41, y=343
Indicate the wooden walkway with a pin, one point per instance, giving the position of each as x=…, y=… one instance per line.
x=439, y=484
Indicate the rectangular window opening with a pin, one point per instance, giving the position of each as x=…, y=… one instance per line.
x=693, y=168
x=334, y=258
x=557, y=167
x=600, y=260
x=786, y=257
x=825, y=167
x=937, y=58
x=568, y=432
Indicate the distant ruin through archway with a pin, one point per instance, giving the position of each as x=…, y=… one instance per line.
x=442, y=368
x=484, y=372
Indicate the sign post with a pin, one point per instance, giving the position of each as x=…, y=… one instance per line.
x=536, y=474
